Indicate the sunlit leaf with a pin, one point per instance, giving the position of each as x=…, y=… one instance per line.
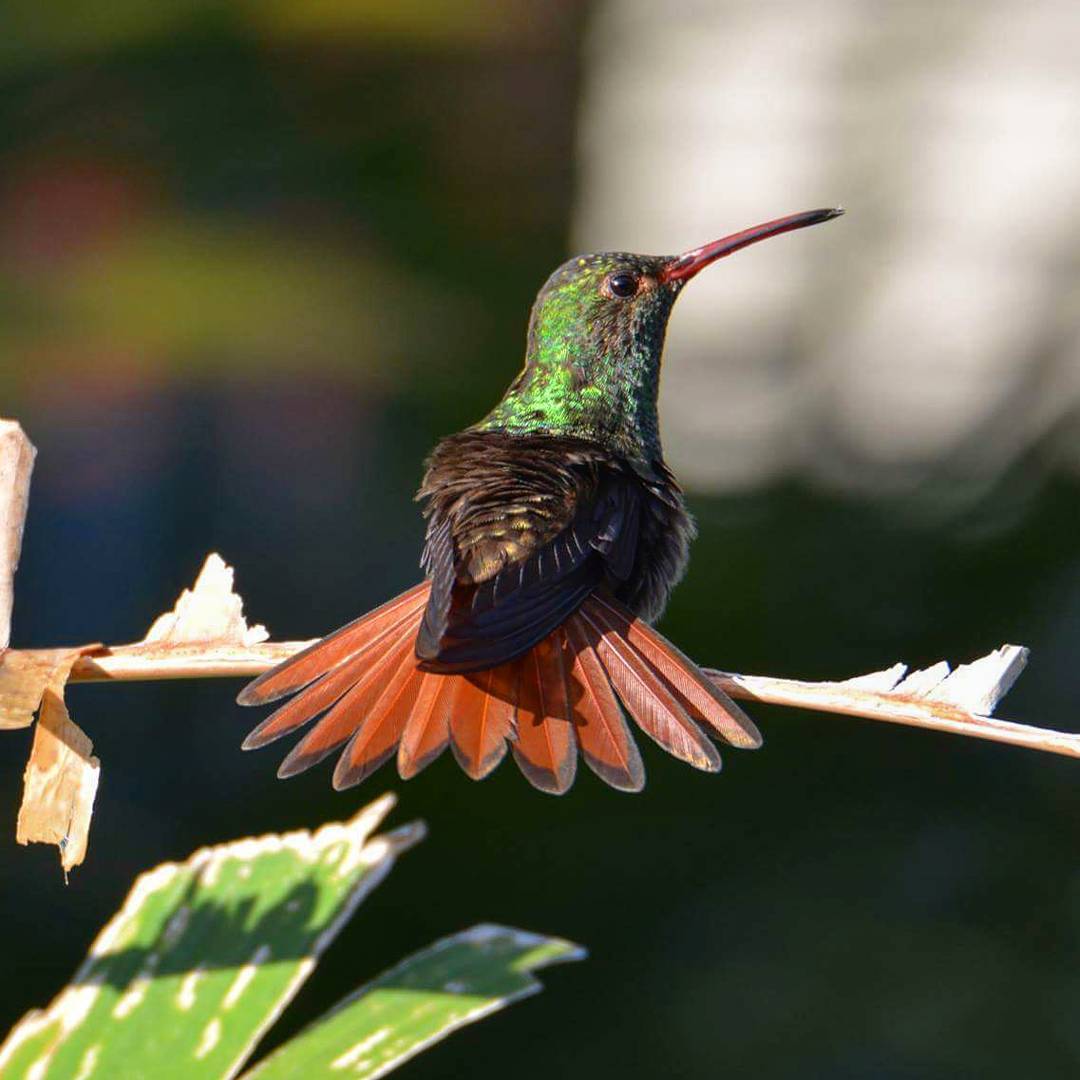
x=204, y=955
x=423, y=999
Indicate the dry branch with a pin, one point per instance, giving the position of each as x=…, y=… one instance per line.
x=204, y=636
x=16, y=464
x=958, y=701
x=24, y=674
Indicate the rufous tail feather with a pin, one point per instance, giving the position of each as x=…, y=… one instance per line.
x=572, y=692
x=482, y=717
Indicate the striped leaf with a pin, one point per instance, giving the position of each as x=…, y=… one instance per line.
x=423, y=999
x=203, y=956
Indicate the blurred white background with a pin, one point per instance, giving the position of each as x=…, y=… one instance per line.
x=922, y=343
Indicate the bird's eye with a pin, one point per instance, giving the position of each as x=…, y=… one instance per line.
x=623, y=285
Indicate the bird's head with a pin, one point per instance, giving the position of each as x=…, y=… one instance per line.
x=596, y=336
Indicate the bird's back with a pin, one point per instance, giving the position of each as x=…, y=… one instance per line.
x=522, y=528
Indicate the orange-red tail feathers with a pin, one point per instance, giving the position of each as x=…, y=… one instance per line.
x=605, y=741
x=427, y=731
x=482, y=717
x=546, y=745
x=705, y=702
x=567, y=693
x=334, y=649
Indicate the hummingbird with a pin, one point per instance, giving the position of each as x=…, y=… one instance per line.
x=555, y=533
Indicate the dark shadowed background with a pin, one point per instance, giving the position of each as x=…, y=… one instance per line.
x=255, y=258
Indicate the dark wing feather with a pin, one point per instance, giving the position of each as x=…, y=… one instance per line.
x=520, y=531
x=438, y=562
x=512, y=626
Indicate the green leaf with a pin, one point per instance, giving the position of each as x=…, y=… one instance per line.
x=203, y=956
x=420, y=1001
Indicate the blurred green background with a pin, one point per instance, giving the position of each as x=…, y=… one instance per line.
x=255, y=258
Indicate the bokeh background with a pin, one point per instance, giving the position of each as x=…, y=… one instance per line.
x=256, y=257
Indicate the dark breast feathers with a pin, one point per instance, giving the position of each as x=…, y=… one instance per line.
x=521, y=529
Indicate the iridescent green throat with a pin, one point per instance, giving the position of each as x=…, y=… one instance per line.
x=592, y=365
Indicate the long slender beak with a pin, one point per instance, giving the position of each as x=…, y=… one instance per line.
x=684, y=267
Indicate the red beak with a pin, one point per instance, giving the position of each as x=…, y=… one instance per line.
x=684, y=267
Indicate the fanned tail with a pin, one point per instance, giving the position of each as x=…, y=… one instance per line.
x=569, y=692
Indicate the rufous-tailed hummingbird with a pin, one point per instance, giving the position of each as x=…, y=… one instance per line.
x=555, y=534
